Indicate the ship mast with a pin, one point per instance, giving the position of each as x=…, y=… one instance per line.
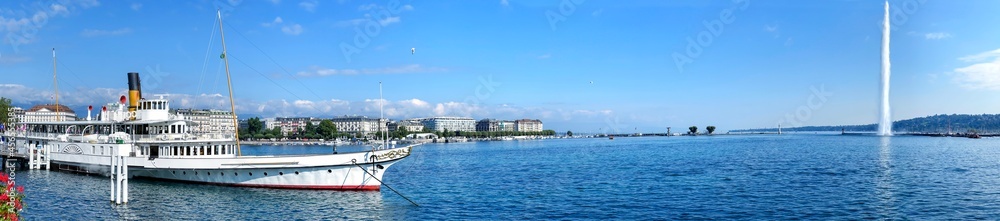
x=55, y=84
x=229, y=81
x=385, y=135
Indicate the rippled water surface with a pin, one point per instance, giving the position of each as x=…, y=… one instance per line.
x=716, y=177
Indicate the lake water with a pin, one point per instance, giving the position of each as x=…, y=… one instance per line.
x=761, y=177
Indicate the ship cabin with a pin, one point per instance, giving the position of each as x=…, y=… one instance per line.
x=153, y=133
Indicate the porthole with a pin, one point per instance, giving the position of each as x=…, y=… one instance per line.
x=296, y=172
x=209, y=173
x=265, y=173
x=236, y=174
x=173, y=172
x=251, y=174
x=184, y=172
x=222, y=174
x=196, y=173
x=281, y=173
x=329, y=171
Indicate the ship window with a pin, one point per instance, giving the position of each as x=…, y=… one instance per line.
x=265, y=174
x=209, y=173
x=187, y=151
x=281, y=173
x=250, y=173
x=236, y=174
x=296, y=172
x=329, y=171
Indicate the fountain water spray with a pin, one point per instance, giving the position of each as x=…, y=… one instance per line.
x=885, y=122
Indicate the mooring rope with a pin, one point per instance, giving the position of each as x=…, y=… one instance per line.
x=355, y=162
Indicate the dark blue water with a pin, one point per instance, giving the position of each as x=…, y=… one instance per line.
x=721, y=177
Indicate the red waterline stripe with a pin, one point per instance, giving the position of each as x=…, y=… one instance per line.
x=307, y=187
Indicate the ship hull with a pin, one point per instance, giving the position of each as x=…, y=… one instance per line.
x=345, y=171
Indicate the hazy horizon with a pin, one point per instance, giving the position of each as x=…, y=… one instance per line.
x=587, y=66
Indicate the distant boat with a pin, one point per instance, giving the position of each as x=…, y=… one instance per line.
x=612, y=137
x=974, y=136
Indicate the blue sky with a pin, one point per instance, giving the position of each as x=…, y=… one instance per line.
x=586, y=66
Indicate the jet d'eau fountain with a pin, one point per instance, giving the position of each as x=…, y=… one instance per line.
x=885, y=122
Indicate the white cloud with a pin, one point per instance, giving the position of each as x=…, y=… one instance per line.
x=597, y=12
x=59, y=9
x=937, y=35
x=136, y=6
x=317, y=71
x=389, y=20
x=770, y=28
x=504, y=3
x=982, y=75
x=309, y=5
x=98, y=33
x=367, y=7
x=294, y=29
x=275, y=2
x=350, y=23
x=981, y=56
x=276, y=21
x=13, y=59
x=406, y=7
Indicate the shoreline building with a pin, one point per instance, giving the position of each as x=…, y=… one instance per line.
x=359, y=124
x=449, y=123
x=208, y=120
x=16, y=114
x=290, y=124
x=410, y=125
x=47, y=112
x=493, y=125
x=528, y=125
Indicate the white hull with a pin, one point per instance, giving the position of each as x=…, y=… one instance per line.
x=345, y=171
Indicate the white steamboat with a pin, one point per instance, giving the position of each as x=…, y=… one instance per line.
x=162, y=145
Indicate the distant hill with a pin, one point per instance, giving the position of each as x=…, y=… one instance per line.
x=982, y=123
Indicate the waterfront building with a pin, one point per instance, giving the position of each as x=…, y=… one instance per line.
x=48, y=112
x=409, y=125
x=290, y=124
x=488, y=125
x=507, y=125
x=450, y=124
x=270, y=123
x=528, y=125
x=209, y=121
x=359, y=124
x=16, y=114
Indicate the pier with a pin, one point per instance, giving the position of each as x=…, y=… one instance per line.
x=34, y=159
